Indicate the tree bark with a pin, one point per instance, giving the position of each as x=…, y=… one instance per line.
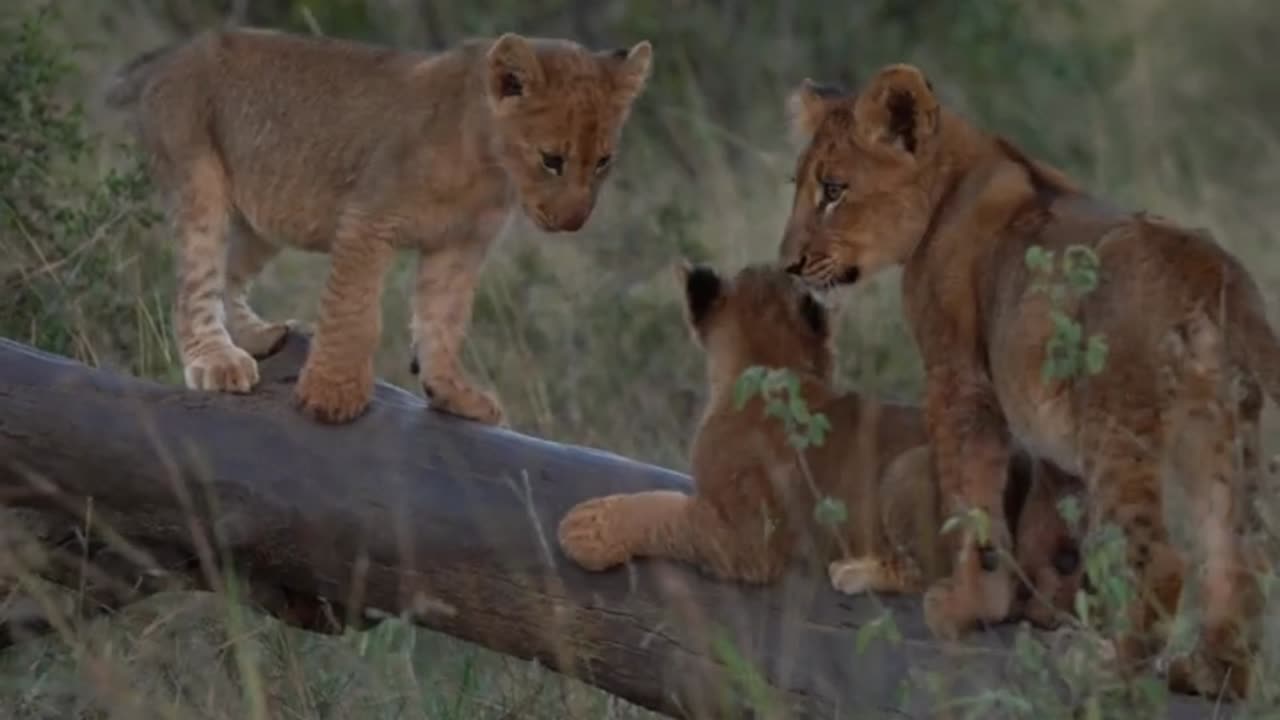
x=450, y=523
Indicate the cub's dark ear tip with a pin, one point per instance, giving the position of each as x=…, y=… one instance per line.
x=702, y=280
x=702, y=287
x=414, y=368
x=824, y=90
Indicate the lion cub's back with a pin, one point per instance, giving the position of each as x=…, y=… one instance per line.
x=296, y=122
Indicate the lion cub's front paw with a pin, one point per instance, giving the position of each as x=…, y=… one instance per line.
x=455, y=397
x=946, y=615
x=587, y=536
x=1198, y=674
x=954, y=605
x=886, y=574
x=1218, y=665
x=222, y=368
x=333, y=399
x=854, y=576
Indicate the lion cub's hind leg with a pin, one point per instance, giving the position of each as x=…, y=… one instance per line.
x=906, y=524
x=1203, y=456
x=247, y=256
x=201, y=213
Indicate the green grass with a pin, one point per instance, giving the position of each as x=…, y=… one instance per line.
x=1168, y=105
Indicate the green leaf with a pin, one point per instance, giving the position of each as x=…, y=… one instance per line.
x=1066, y=328
x=1095, y=354
x=1028, y=651
x=818, y=427
x=1153, y=691
x=1070, y=510
x=820, y=420
x=1038, y=259
x=1082, y=606
x=1081, y=258
x=951, y=524
x=775, y=379
x=868, y=632
x=774, y=407
x=830, y=512
x=982, y=525
x=1083, y=280
x=799, y=409
x=891, y=627
x=790, y=381
x=748, y=384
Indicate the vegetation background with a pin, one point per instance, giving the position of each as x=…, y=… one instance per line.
x=1169, y=105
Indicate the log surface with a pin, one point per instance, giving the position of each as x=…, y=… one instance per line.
x=407, y=511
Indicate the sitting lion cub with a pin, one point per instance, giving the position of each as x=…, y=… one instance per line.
x=261, y=139
x=754, y=506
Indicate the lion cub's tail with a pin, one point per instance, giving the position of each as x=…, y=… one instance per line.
x=125, y=86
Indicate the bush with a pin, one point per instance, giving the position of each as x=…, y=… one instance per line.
x=78, y=275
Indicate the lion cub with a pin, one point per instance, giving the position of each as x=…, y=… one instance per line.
x=753, y=510
x=888, y=176
x=261, y=139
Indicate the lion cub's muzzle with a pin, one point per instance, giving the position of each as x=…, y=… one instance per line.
x=823, y=271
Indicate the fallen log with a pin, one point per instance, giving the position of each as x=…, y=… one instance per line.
x=451, y=524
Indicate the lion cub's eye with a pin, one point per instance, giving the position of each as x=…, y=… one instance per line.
x=553, y=163
x=603, y=163
x=831, y=191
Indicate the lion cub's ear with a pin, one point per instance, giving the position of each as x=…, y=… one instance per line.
x=703, y=291
x=898, y=109
x=631, y=69
x=513, y=69
x=807, y=105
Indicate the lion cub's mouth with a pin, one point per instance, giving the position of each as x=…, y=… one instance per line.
x=849, y=276
x=822, y=274
x=825, y=295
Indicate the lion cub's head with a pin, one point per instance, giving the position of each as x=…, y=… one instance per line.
x=862, y=183
x=760, y=316
x=558, y=110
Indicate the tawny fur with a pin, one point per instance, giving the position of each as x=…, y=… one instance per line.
x=753, y=509
x=262, y=139
x=891, y=177
x=1211, y=458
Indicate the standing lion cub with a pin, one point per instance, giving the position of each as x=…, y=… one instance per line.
x=890, y=176
x=753, y=509
x=261, y=139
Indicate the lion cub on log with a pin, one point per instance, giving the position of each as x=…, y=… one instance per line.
x=753, y=510
x=262, y=138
